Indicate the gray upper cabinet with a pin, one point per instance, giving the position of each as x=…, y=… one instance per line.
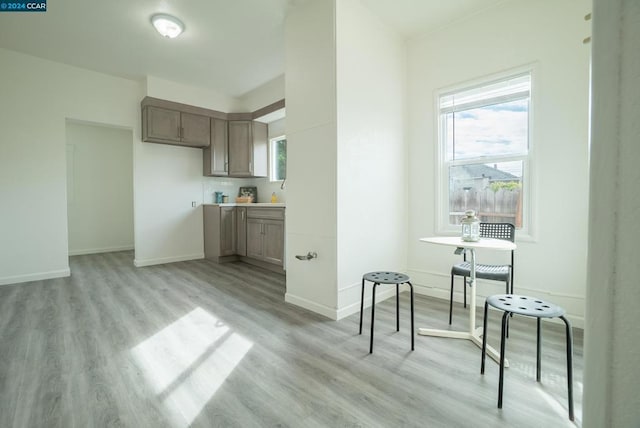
x=166, y=126
x=160, y=125
x=195, y=130
x=235, y=145
x=216, y=156
x=248, y=148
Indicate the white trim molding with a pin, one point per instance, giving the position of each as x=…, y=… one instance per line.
x=100, y=250
x=17, y=279
x=163, y=260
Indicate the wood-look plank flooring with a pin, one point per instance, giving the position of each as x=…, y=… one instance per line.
x=205, y=345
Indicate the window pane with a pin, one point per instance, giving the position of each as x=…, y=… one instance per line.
x=493, y=130
x=504, y=88
x=279, y=153
x=493, y=190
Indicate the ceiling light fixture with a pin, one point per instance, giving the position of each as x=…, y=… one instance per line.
x=167, y=25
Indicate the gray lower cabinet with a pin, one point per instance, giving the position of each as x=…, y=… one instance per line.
x=166, y=126
x=219, y=232
x=241, y=231
x=265, y=234
x=216, y=157
x=248, y=148
x=255, y=234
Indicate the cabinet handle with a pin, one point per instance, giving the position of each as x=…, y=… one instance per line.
x=226, y=165
x=181, y=132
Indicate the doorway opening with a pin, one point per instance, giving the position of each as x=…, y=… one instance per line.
x=99, y=188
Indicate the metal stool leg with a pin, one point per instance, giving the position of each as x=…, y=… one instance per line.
x=502, y=348
x=484, y=337
x=569, y=365
x=361, y=305
x=373, y=314
x=464, y=284
x=413, y=330
x=397, y=307
x=451, y=301
x=538, y=352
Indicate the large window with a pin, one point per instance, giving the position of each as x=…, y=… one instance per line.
x=484, y=147
x=278, y=158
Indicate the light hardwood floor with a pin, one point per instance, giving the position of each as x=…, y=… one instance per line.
x=206, y=345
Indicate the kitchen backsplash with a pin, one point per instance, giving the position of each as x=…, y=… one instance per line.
x=230, y=186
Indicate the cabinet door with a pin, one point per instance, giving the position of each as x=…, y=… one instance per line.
x=161, y=125
x=215, y=157
x=227, y=231
x=273, y=245
x=240, y=148
x=254, y=238
x=241, y=231
x=196, y=130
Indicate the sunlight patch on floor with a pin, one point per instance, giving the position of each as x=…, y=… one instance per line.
x=186, y=362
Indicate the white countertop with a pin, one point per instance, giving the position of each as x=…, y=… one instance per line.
x=257, y=204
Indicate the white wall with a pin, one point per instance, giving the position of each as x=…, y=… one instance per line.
x=371, y=158
x=612, y=349
x=548, y=35
x=99, y=188
x=345, y=87
x=262, y=96
x=310, y=91
x=37, y=97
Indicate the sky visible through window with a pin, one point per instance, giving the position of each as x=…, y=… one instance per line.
x=494, y=130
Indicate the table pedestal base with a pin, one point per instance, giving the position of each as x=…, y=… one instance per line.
x=476, y=338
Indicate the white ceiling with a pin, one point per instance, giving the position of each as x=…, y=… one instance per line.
x=232, y=46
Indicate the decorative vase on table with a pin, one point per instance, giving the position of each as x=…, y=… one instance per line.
x=470, y=227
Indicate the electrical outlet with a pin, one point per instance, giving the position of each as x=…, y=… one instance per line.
x=193, y=204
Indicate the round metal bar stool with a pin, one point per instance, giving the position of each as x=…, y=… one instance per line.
x=386, y=278
x=531, y=307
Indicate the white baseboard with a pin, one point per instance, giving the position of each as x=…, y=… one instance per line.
x=381, y=295
x=16, y=279
x=163, y=260
x=323, y=310
x=99, y=250
x=337, y=314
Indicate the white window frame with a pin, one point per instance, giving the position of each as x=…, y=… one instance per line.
x=529, y=198
x=272, y=160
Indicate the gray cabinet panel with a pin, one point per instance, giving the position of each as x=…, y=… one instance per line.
x=227, y=231
x=195, y=130
x=219, y=232
x=248, y=149
x=161, y=125
x=241, y=231
x=273, y=245
x=265, y=234
x=216, y=156
x=240, y=148
x=254, y=238
x=165, y=126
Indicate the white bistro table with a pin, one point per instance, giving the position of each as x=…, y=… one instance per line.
x=473, y=334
